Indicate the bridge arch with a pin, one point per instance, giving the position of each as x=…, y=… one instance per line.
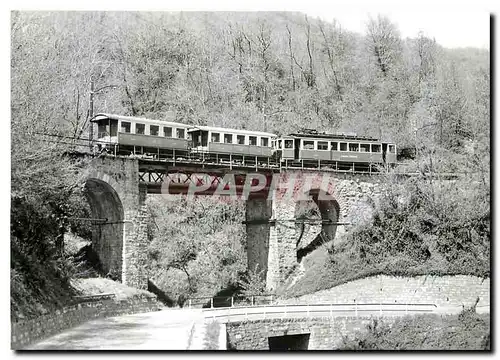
x=107, y=235
x=321, y=206
x=114, y=194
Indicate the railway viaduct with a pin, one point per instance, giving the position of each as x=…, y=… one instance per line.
x=116, y=188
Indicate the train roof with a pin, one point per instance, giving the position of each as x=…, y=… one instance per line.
x=103, y=116
x=231, y=131
x=333, y=136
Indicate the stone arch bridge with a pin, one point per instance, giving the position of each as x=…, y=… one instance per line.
x=116, y=188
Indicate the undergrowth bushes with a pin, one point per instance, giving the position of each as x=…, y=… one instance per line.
x=425, y=226
x=39, y=276
x=40, y=271
x=465, y=331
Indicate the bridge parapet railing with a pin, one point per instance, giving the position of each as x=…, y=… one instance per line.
x=230, y=301
x=320, y=310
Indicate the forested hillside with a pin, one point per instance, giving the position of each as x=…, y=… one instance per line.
x=262, y=71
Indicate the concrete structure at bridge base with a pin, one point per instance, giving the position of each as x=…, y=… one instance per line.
x=274, y=241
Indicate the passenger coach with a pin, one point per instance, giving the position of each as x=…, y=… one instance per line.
x=232, y=144
x=138, y=136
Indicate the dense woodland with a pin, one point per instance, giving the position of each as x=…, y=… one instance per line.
x=261, y=71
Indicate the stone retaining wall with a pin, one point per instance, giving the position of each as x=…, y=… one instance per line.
x=26, y=332
x=444, y=291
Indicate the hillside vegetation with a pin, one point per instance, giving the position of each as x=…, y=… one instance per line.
x=197, y=247
x=262, y=71
x=466, y=331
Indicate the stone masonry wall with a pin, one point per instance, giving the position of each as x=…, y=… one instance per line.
x=122, y=175
x=286, y=238
x=258, y=211
x=325, y=333
x=353, y=192
x=354, y=195
x=444, y=291
x=24, y=333
x=273, y=273
x=135, y=241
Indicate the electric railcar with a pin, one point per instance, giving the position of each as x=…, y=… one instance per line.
x=127, y=135
x=338, y=151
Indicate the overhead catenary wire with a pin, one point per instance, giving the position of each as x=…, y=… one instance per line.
x=100, y=221
x=72, y=137
x=63, y=136
x=297, y=221
x=74, y=143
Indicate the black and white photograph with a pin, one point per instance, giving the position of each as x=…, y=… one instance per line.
x=250, y=178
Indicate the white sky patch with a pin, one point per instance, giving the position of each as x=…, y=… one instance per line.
x=449, y=28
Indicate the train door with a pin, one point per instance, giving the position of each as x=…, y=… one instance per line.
x=113, y=128
x=204, y=138
x=384, y=153
x=296, y=152
x=199, y=139
x=194, y=136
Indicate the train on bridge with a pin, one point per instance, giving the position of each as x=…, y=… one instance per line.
x=164, y=139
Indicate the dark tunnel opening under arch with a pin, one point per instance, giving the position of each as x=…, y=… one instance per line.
x=107, y=237
x=328, y=209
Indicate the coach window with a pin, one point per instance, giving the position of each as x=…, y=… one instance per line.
x=125, y=128
x=264, y=141
x=167, y=131
x=343, y=146
x=353, y=147
x=252, y=140
x=365, y=147
x=375, y=148
x=139, y=129
x=322, y=145
x=181, y=133
x=335, y=146
x=215, y=137
x=240, y=139
x=392, y=148
x=288, y=144
x=153, y=130
x=279, y=144
x=308, y=145
x=228, y=138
